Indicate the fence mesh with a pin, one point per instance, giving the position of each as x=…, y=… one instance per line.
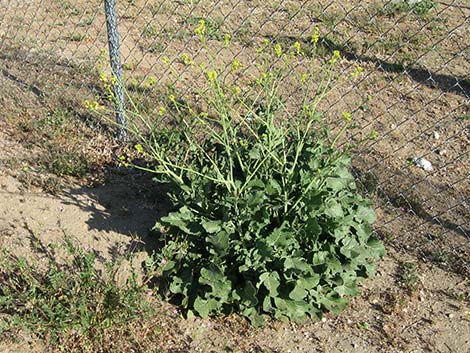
x=415, y=88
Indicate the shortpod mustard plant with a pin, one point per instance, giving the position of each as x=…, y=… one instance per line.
x=268, y=220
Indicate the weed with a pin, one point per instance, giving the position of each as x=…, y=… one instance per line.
x=212, y=26
x=128, y=66
x=61, y=137
x=150, y=31
x=77, y=37
x=409, y=276
x=75, y=12
x=244, y=34
x=70, y=305
x=419, y=8
x=156, y=48
x=88, y=21
x=259, y=227
x=363, y=325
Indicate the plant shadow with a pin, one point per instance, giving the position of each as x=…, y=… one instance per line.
x=129, y=202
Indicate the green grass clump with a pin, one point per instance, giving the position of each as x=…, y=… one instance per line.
x=419, y=8
x=71, y=306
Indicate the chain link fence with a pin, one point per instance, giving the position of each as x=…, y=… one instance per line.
x=414, y=91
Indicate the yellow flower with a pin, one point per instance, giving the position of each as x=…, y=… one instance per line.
x=166, y=60
x=374, y=135
x=200, y=29
x=298, y=48
x=172, y=98
x=347, y=116
x=237, y=90
x=336, y=56
x=211, y=75
x=92, y=105
x=186, y=59
x=278, y=49
x=236, y=64
x=103, y=77
x=151, y=81
x=161, y=111
x=139, y=148
x=315, y=35
x=357, y=71
x=227, y=38
x=303, y=78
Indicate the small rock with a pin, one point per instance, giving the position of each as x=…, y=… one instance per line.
x=451, y=316
x=437, y=136
x=442, y=152
x=393, y=126
x=323, y=319
x=423, y=163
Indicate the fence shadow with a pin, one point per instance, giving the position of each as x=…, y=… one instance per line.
x=445, y=83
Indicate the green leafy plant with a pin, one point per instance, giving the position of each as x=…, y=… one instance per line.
x=268, y=219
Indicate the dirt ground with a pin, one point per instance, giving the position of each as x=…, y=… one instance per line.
x=49, y=58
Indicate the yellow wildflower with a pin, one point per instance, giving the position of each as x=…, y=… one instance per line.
x=236, y=64
x=278, y=49
x=298, y=48
x=211, y=75
x=227, y=38
x=336, y=56
x=315, y=35
x=200, y=29
x=186, y=59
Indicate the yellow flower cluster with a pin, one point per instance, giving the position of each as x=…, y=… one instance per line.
x=200, y=30
x=227, y=38
x=347, y=116
x=236, y=64
x=92, y=105
x=186, y=59
x=211, y=75
x=315, y=35
x=336, y=56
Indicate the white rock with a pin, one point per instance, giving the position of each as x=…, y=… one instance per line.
x=437, y=136
x=423, y=163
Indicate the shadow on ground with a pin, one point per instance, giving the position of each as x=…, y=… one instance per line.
x=127, y=203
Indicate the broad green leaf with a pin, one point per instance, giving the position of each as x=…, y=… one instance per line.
x=211, y=226
x=365, y=214
x=267, y=304
x=256, y=320
x=377, y=247
x=220, y=241
x=308, y=282
x=248, y=295
x=297, y=263
x=201, y=307
x=333, y=209
x=271, y=281
x=298, y=293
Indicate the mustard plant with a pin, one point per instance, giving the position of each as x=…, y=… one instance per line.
x=268, y=220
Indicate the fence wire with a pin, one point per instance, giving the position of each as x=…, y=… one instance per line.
x=415, y=89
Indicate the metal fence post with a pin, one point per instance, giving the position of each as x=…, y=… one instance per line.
x=115, y=61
